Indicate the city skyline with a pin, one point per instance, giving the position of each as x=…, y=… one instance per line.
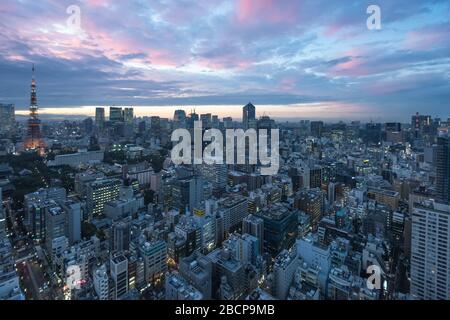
x=279, y=55
x=245, y=151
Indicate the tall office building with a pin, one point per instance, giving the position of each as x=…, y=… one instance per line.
x=443, y=169
x=101, y=192
x=254, y=226
x=120, y=237
x=55, y=225
x=311, y=202
x=217, y=174
x=430, y=253
x=73, y=214
x=316, y=128
x=119, y=275
x=286, y=263
x=7, y=117
x=421, y=124
x=179, y=116
x=100, y=119
x=115, y=114
x=373, y=133
x=154, y=255
x=155, y=126
x=280, y=227
x=128, y=115
x=248, y=114
x=35, y=204
x=233, y=210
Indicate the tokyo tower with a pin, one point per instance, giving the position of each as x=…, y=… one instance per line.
x=34, y=139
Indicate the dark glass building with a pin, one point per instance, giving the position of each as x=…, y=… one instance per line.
x=280, y=227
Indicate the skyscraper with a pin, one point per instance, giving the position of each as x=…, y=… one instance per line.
x=100, y=119
x=179, y=116
x=34, y=139
x=430, y=243
x=128, y=115
x=248, y=114
x=115, y=114
x=7, y=117
x=316, y=128
x=443, y=169
x=421, y=124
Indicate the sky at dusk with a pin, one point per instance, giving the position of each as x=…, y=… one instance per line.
x=291, y=58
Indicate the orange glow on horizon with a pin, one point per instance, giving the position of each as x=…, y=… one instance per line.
x=323, y=110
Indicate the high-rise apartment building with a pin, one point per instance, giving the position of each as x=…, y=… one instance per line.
x=430, y=251
x=443, y=169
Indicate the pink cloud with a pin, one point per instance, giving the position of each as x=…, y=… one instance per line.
x=271, y=11
x=426, y=38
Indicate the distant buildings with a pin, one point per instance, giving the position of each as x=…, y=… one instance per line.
x=7, y=117
x=115, y=115
x=248, y=115
x=77, y=159
x=347, y=197
x=100, y=119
